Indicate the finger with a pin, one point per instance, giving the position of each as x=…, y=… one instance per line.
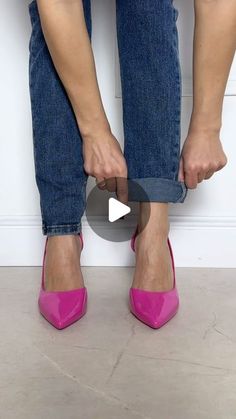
x=101, y=183
x=201, y=176
x=111, y=184
x=209, y=174
x=122, y=190
x=181, y=170
x=191, y=179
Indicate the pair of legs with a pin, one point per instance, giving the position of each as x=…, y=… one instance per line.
x=151, y=97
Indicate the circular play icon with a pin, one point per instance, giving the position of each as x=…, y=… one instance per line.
x=117, y=209
x=112, y=219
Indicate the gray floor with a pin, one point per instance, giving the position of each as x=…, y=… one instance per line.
x=109, y=365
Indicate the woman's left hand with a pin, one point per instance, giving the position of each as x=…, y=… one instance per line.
x=201, y=156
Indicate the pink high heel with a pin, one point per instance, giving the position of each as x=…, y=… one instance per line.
x=62, y=308
x=154, y=308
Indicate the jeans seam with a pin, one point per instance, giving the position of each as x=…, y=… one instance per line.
x=179, y=86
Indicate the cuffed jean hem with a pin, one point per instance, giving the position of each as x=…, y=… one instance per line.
x=156, y=190
x=60, y=229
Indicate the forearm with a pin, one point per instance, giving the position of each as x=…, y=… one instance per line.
x=67, y=38
x=214, y=47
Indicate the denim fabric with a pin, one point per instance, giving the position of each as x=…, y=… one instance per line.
x=150, y=73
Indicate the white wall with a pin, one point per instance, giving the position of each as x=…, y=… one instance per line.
x=203, y=228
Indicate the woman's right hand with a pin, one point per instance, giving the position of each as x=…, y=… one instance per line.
x=104, y=160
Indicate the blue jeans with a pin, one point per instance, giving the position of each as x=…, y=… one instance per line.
x=151, y=97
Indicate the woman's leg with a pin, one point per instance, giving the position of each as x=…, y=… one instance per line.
x=151, y=95
x=60, y=177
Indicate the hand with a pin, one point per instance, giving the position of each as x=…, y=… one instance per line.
x=104, y=160
x=202, y=155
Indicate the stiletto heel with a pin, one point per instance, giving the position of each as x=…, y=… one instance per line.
x=154, y=308
x=62, y=308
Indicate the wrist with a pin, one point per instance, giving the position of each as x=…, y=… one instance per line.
x=94, y=129
x=205, y=122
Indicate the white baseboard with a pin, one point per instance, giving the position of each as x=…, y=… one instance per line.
x=196, y=242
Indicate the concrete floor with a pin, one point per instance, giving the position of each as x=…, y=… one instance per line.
x=109, y=365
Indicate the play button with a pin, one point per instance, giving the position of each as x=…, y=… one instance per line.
x=117, y=210
x=112, y=219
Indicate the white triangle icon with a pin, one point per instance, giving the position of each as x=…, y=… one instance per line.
x=116, y=209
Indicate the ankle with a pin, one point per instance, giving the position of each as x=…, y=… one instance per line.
x=154, y=230
x=61, y=238
x=67, y=242
x=153, y=219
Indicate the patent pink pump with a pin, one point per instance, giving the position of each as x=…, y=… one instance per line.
x=62, y=308
x=154, y=308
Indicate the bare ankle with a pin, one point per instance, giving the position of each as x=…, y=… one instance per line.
x=153, y=218
x=154, y=229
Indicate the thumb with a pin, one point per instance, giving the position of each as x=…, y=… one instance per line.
x=181, y=170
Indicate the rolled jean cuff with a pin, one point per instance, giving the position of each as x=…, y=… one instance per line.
x=156, y=190
x=60, y=229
